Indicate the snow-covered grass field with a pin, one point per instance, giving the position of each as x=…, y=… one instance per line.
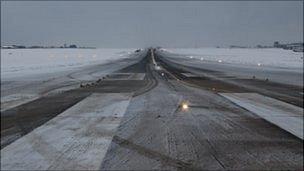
x=266, y=57
x=24, y=62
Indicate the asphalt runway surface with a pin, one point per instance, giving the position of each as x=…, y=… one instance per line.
x=154, y=131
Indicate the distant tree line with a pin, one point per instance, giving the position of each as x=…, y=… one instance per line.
x=43, y=47
x=296, y=47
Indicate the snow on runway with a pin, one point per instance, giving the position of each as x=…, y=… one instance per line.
x=77, y=139
x=284, y=115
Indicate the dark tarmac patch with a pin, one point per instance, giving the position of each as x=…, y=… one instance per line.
x=287, y=93
x=216, y=85
x=202, y=81
x=139, y=67
x=24, y=118
x=113, y=86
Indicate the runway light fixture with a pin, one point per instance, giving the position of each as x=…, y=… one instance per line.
x=184, y=106
x=220, y=61
x=202, y=59
x=259, y=64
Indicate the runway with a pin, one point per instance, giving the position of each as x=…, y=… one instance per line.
x=129, y=115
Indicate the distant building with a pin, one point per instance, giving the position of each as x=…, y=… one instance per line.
x=276, y=44
x=296, y=47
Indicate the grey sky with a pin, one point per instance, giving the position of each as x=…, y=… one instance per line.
x=142, y=24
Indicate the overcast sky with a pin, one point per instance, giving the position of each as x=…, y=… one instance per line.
x=143, y=24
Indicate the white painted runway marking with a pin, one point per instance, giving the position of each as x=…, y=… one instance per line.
x=188, y=74
x=284, y=115
x=126, y=76
x=77, y=139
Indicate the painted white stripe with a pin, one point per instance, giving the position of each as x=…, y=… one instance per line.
x=77, y=139
x=188, y=74
x=156, y=67
x=284, y=115
x=126, y=76
x=153, y=59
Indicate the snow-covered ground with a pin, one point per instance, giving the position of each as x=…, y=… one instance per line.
x=266, y=57
x=25, y=62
